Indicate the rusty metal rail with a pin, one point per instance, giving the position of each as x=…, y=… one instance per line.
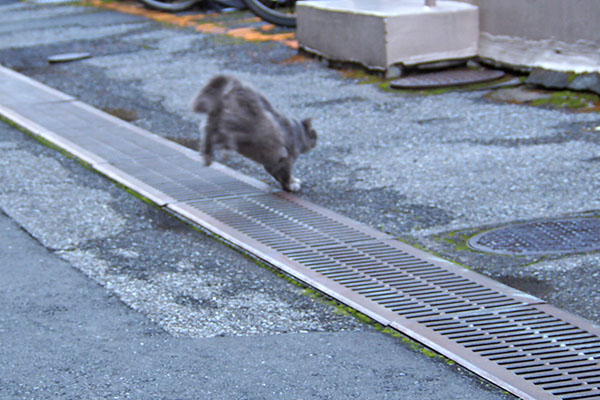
x=510, y=338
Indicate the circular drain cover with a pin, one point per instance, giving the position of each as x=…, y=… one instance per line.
x=554, y=236
x=455, y=77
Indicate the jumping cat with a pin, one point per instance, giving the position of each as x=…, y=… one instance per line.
x=241, y=119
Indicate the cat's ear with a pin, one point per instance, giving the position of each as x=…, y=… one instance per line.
x=307, y=124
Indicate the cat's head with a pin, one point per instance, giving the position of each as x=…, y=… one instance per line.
x=310, y=138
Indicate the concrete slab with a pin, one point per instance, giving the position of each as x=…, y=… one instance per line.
x=559, y=35
x=379, y=34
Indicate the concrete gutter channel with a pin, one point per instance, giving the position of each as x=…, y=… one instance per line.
x=512, y=339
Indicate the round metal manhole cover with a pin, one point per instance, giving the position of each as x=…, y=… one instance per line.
x=456, y=77
x=554, y=236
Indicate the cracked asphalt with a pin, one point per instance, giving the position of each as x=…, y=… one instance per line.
x=431, y=169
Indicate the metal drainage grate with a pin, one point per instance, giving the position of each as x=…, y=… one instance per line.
x=542, y=349
x=515, y=340
x=383, y=270
x=551, y=236
x=456, y=77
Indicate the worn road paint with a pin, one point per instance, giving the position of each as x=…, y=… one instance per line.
x=255, y=34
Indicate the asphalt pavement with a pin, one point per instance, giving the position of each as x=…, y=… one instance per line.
x=431, y=169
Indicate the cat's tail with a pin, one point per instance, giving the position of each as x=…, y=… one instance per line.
x=206, y=99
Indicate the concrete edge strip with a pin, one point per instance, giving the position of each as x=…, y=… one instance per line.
x=51, y=137
x=30, y=81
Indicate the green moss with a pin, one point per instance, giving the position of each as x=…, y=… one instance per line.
x=14, y=125
x=371, y=80
x=44, y=141
x=346, y=310
x=568, y=99
x=386, y=87
x=572, y=76
x=558, y=100
x=137, y=195
x=362, y=76
x=458, y=241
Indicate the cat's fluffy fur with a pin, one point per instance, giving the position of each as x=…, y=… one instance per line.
x=241, y=119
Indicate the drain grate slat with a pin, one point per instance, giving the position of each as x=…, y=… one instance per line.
x=513, y=339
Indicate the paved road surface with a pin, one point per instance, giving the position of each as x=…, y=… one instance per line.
x=426, y=168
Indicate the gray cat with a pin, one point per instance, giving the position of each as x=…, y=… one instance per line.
x=241, y=119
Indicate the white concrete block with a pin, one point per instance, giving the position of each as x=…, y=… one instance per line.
x=381, y=33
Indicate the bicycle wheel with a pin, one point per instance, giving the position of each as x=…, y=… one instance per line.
x=278, y=12
x=169, y=5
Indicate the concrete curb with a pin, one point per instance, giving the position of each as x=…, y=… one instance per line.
x=565, y=80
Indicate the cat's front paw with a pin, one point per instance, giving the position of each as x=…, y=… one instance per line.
x=294, y=185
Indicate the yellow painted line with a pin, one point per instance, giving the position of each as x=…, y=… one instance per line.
x=254, y=35
x=291, y=43
x=295, y=59
x=192, y=21
x=266, y=28
x=211, y=28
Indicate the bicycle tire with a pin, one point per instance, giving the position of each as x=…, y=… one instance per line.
x=271, y=15
x=172, y=6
